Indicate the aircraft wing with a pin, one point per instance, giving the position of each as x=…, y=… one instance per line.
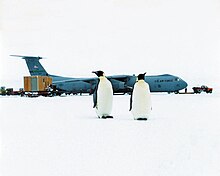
x=121, y=78
x=66, y=80
x=119, y=83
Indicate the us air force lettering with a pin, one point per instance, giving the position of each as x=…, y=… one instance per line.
x=103, y=96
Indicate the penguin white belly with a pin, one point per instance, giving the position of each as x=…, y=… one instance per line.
x=104, y=98
x=141, y=101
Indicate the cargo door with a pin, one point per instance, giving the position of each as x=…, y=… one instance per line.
x=34, y=84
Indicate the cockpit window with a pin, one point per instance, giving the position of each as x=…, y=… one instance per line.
x=177, y=79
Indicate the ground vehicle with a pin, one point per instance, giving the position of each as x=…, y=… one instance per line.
x=3, y=90
x=203, y=88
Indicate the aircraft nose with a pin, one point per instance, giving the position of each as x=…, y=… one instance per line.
x=184, y=84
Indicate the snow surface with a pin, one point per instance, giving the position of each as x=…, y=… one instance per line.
x=61, y=136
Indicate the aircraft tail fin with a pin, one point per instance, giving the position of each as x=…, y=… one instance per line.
x=34, y=66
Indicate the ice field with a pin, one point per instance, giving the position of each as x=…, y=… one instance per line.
x=61, y=136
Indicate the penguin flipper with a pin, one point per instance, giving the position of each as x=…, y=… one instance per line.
x=131, y=100
x=95, y=98
x=95, y=95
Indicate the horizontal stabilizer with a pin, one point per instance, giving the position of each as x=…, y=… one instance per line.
x=26, y=57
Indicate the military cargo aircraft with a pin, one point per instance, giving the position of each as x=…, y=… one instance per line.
x=121, y=83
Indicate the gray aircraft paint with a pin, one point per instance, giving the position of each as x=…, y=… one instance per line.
x=121, y=83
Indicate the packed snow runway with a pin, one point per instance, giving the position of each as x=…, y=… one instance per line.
x=61, y=136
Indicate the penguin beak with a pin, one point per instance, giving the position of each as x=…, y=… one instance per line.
x=96, y=72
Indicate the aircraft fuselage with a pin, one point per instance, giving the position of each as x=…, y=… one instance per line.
x=120, y=83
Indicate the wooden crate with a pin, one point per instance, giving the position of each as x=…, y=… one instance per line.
x=36, y=83
x=27, y=83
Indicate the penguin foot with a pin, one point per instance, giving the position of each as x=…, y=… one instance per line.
x=143, y=118
x=107, y=117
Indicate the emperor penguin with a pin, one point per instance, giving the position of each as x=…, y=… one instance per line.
x=140, y=100
x=103, y=96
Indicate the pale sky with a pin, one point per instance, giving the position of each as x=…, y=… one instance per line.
x=117, y=36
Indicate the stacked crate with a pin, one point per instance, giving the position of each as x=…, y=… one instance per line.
x=36, y=83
